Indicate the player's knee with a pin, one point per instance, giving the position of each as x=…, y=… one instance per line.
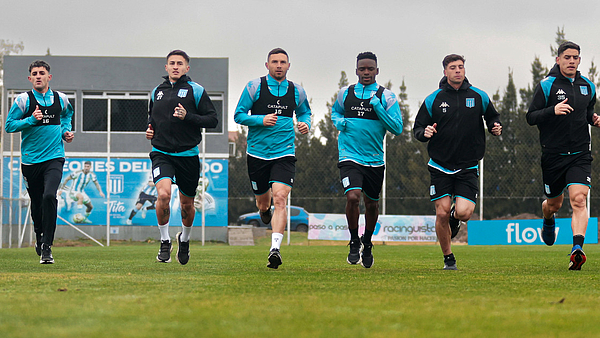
x=578, y=201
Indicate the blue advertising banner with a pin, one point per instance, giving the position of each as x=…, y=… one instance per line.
x=82, y=195
x=525, y=232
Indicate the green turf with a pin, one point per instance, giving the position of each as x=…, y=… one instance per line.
x=121, y=291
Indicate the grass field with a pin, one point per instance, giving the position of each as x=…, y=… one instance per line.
x=226, y=291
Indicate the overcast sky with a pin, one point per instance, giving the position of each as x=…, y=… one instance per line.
x=322, y=37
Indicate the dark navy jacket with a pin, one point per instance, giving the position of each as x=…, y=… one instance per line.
x=171, y=134
x=460, y=139
x=563, y=134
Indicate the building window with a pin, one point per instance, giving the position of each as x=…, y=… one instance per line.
x=128, y=111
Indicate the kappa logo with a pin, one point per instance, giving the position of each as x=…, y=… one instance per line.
x=560, y=92
x=444, y=106
x=159, y=95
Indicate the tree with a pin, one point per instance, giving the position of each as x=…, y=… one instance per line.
x=8, y=47
x=560, y=38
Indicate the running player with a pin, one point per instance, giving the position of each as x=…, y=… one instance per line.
x=363, y=113
x=148, y=194
x=81, y=178
x=562, y=108
x=272, y=101
x=179, y=109
x=43, y=117
x=451, y=120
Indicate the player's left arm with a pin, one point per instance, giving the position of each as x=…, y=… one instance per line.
x=66, y=116
x=592, y=117
x=491, y=116
x=207, y=114
x=303, y=112
x=98, y=187
x=388, y=112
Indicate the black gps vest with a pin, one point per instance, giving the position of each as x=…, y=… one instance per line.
x=268, y=103
x=360, y=108
x=51, y=114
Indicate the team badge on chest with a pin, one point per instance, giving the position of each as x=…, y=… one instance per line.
x=583, y=90
x=182, y=93
x=470, y=103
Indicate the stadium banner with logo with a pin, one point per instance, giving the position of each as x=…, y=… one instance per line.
x=132, y=192
x=525, y=232
x=389, y=228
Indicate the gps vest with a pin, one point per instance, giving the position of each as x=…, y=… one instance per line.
x=360, y=108
x=51, y=114
x=268, y=103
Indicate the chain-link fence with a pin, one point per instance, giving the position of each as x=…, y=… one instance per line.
x=512, y=177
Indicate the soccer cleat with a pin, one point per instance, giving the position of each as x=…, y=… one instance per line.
x=366, y=254
x=164, y=254
x=183, y=250
x=266, y=216
x=454, y=223
x=144, y=210
x=38, y=249
x=128, y=222
x=46, y=257
x=577, y=258
x=274, y=259
x=548, y=233
x=450, y=265
x=354, y=257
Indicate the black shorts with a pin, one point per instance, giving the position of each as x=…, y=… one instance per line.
x=560, y=171
x=356, y=176
x=181, y=170
x=263, y=173
x=143, y=197
x=461, y=184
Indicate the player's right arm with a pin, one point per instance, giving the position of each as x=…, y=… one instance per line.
x=249, y=96
x=15, y=121
x=337, y=110
x=539, y=109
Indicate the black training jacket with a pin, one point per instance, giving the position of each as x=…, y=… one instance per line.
x=171, y=134
x=460, y=139
x=563, y=134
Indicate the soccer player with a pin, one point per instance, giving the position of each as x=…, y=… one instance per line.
x=451, y=120
x=81, y=179
x=148, y=194
x=562, y=107
x=272, y=101
x=179, y=109
x=363, y=112
x=43, y=117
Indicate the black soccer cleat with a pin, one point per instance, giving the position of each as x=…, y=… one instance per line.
x=46, y=256
x=274, y=259
x=548, y=232
x=355, y=251
x=366, y=254
x=164, y=254
x=183, y=250
x=266, y=216
x=454, y=223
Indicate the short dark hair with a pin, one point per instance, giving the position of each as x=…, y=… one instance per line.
x=179, y=52
x=277, y=51
x=366, y=55
x=567, y=45
x=39, y=63
x=451, y=58
x=87, y=162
